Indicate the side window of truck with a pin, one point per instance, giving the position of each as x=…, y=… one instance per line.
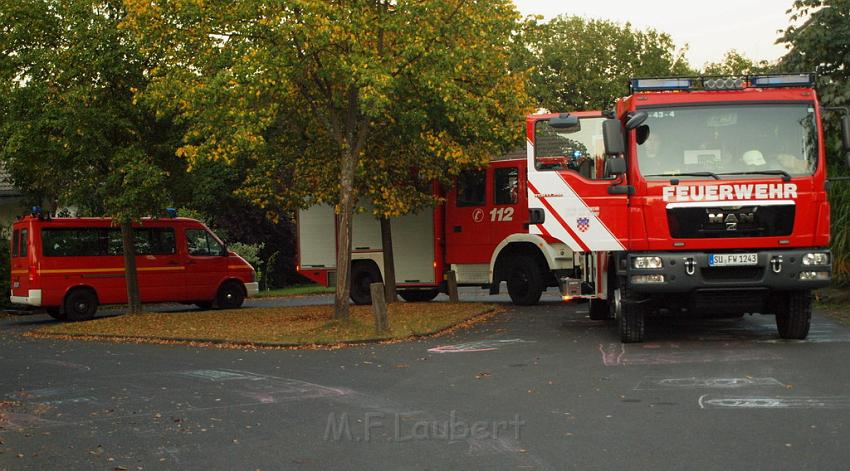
x=24, y=242
x=202, y=244
x=579, y=150
x=505, y=185
x=16, y=240
x=471, y=188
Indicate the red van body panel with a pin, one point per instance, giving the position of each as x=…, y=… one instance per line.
x=42, y=274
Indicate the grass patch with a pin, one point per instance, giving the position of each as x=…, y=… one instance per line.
x=297, y=290
x=277, y=326
x=834, y=302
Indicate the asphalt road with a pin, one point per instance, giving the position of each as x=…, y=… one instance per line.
x=540, y=388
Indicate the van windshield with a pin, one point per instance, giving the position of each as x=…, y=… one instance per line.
x=733, y=140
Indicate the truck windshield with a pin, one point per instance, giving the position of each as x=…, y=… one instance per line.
x=729, y=141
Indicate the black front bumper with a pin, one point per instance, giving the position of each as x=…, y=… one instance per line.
x=686, y=272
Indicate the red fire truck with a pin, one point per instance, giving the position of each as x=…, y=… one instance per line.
x=696, y=196
x=70, y=265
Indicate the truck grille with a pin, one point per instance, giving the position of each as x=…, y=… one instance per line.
x=731, y=221
x=732, y=273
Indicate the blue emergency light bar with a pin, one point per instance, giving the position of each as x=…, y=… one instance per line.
x=655, y=84
x=735, y=82
x=784, y=80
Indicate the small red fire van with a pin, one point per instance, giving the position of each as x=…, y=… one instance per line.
x=69, y=266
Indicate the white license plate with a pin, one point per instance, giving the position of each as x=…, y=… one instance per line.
x=732, y=259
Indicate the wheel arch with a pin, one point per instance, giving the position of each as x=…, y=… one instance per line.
x=551, y=256
x=231, y=279
x=77, y=287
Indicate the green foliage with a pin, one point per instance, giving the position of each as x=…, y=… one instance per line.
x=292, y=90
x=585, y=64
x=735, y=63
x=69, y=129
x=822, y=43
x=250, y=252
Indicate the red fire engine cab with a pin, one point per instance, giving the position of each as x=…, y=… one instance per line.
x=698, y=196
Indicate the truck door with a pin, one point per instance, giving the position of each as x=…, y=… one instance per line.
x=508, y=214
x=467, y=227
x=566, y=179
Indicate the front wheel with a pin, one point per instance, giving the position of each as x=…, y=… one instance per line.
x=794, y=316
x=80, y=305
x=630, y=315
x=525, y=282
x=231, y=295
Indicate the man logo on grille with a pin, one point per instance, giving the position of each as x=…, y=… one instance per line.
x=583, y=224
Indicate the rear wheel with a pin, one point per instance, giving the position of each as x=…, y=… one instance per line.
x=231, y=295
x=362, y=276
x=80, y=305
x=525, y=282
x=56, y=313
x=418, y=296
x=599, y=309
x=794, y=316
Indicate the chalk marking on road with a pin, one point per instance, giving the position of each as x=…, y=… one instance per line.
x=477, y=346
x=707, y=383
x=65, y=364
x=776, y=402
x=222, y=375
x=616, y=355
x=612, y=355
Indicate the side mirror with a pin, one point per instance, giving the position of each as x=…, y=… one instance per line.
x=565, y=122
x=615, y=166
x=636, y=119
x=612, y=136
x=845, y=137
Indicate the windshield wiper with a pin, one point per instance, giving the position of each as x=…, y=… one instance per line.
x=688, y=174
x=785, y=175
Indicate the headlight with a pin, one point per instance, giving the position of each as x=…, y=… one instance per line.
x=640, y=279
x=816, y=258
x=647, y=262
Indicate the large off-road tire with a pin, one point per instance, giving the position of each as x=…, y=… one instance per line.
x=794, y=316
x=418, y=295
x=600, y=309
x=56, y=313
x=230, y=295
x=525, y=282
x=629, y=314
x=363, y=275
x=80, y=305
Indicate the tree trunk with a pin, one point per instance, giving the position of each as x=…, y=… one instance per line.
x=343, y=240
x=389, y=260
x=134, y=303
